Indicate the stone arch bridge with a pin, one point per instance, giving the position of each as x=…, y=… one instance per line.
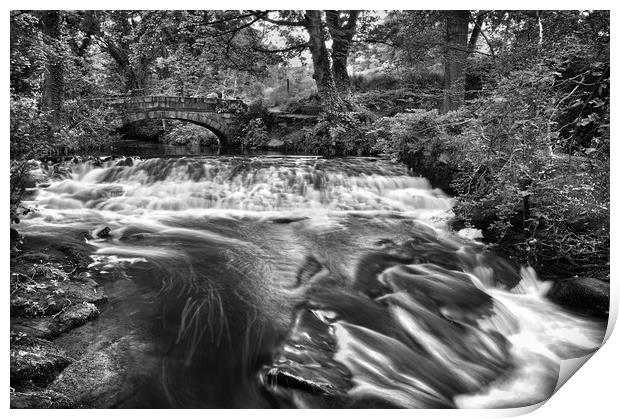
x=220, y=116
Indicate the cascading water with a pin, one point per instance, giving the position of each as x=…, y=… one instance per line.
x=298, y=281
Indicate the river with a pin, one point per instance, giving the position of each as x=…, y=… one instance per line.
x=296, y=281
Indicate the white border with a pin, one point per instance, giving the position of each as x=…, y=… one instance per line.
x=592, y=393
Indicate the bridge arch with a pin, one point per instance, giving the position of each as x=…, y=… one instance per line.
x=216, y=123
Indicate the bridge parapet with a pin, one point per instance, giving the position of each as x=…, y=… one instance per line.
x=195, y=104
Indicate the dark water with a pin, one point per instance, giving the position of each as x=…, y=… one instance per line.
x=277, y=281
x=146, y=149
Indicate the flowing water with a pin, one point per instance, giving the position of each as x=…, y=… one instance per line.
x=297, y=281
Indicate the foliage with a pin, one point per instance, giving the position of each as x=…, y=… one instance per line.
x=428, y=78
x=188, y=133
x=85, y=126
x=419, y=130
x=338, y=134
x=254, y=133
x=19, y=181
x=29, y=133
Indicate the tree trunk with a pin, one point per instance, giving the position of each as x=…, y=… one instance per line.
x=323, y=76
x=475, y=33
x=133, y=81
x=342, y=36
x=52, y=88
x=456, y=54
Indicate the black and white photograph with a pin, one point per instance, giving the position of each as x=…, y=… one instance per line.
x=306, y=209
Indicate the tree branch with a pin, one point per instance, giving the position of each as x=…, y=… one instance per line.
x=281, y=21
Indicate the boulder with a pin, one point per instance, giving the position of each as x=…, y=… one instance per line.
x=48, y=327
x=77, y=315
x=102, y=233
x=587, y=295
x=38, y=327
x=107, y=377
x=40, y=399
x=49, y=297
x=36, y=361
x=126, y=162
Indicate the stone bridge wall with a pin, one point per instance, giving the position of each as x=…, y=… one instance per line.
x=218, y=115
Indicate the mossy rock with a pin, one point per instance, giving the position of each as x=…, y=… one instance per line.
x=36, y=362
x=40, y=399
x=48, y=327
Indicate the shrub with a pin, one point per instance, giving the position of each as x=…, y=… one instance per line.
x=418, y=131
x=189, y=134
x=86, y=127
x=510, y=176
x=29, y=133
x=19, y=178
x=338, y=134
x=254, y=134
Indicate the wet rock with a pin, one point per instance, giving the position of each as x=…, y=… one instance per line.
x=49, y=297
x=43, y=399
x=85, y=235
x=126, y=162
x=38, y=327
x=36, y=361
x=77, y=315
x=76, y=257
x=306, y=362
x=288, y=220
x=102, y=233
x=48, y=327
x=587, y=295
x=105, y=378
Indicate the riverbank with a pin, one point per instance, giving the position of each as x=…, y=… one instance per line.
x=578, y=284
x=51, y=294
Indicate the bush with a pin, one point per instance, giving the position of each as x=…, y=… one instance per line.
x=19, y=180
x=86, y=127
x=29, y=133
x=418, y=131
x=338, y=134
x=254, y=134
x=189, y=134
x=510, y=177
x=509, y=181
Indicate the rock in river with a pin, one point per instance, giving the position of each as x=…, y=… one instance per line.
x=44, y=399
x=36, y=361
x=106, y=377
x=588, y=295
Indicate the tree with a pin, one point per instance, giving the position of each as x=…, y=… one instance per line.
x=323, y=74
x=457, y=22
x=342, y=28
x=52, y=89
x=330, y=69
